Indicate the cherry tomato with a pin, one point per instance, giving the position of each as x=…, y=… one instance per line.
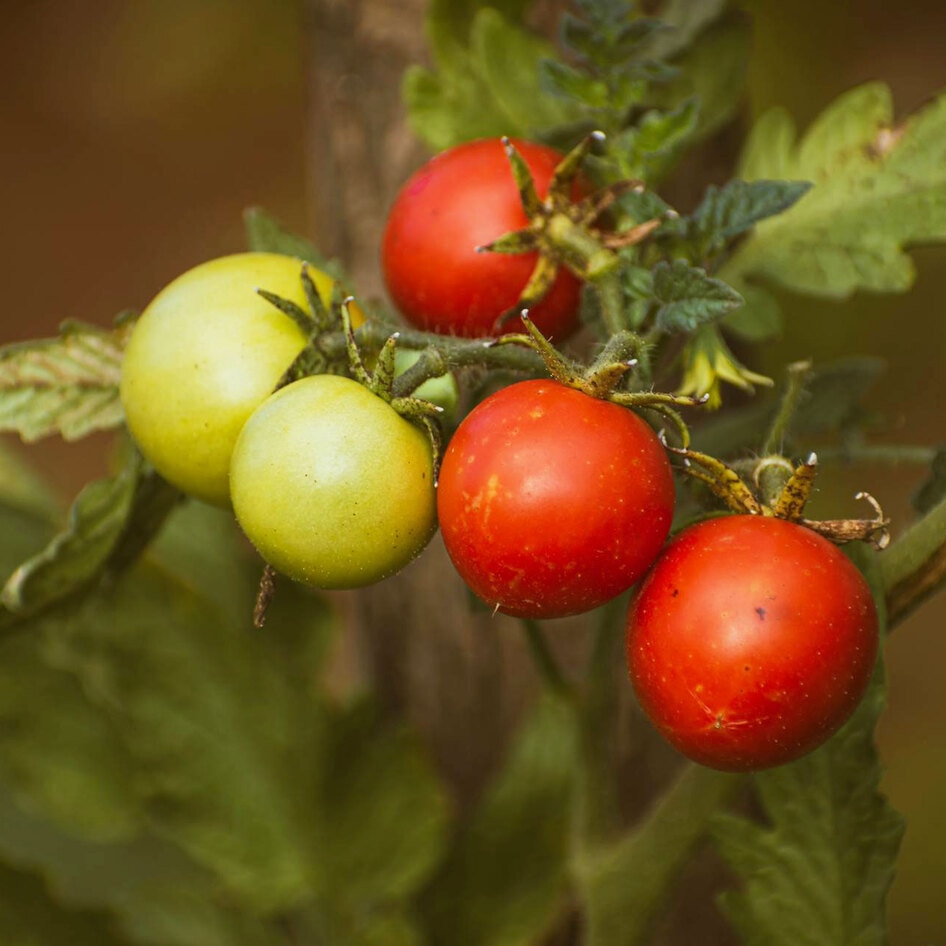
x=332, y=486
x=463, y=198
x=202, y=356
x=751, y=641
x=552, y=502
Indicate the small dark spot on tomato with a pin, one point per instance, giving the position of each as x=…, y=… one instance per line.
x=761, y=613
x=675, y=592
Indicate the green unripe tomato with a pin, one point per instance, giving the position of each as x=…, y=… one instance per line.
x=442, y=391
x=204, y=354
x=333, y=487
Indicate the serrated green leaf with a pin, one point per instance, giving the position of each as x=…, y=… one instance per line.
x=29, y=917
x=66, y=385
x=880, y=187
x=109, y=524
x=379, y=846
x=834, y=395
x=688, y=297
x=725, y=212
x=820, y=870
x=505, y=881
x=933, y=490
x=646, y=205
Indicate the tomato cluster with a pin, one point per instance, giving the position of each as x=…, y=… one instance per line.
x=750, y=640
x=330, y=484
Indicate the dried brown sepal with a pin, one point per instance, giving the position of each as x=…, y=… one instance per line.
x=876, y=531
x=635, y=235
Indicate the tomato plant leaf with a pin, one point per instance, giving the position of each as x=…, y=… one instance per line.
x=726, y=212
x=486, y=87
x=688, y=297
x=505, y=878
x=109, y=524
x=879, y=187
x=656, y=139
x=820, y=870
x=66, y=385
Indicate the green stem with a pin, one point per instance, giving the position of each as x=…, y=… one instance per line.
x=457, y=352
x=611, y=297
x=624, y=884
x=914, y=567
x=798, y=374
x=544, y=659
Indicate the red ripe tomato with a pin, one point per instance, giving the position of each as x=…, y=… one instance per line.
x=552, y=502
x=463, y=198
x=750, y=642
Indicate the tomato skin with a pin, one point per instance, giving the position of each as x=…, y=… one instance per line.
x=463, y=198
x=750, y=642
x=202, y=356
x=552, y=502
x=331, y=485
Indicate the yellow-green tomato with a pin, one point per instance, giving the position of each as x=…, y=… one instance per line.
x=202, y=357
x=332, y=485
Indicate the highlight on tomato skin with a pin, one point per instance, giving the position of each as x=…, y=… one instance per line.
x=552, y=502
x=461, y=199
x=751, y=641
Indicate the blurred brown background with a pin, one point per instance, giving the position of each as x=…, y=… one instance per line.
x=134, y=132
